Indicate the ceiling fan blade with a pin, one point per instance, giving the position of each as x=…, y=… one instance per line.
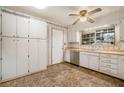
x=73, y=14
x=90, y=20
x=94, y=11
x=76, y=21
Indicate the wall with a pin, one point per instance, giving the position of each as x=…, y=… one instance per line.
x=111, y=18
x=50, y=27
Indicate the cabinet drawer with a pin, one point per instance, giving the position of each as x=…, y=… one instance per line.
x=109, y=71
x=109, y=56
x=108, y=65
x=107, y=60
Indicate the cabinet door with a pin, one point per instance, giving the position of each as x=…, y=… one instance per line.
x=42, y=54
x=84, y=60
x=22, y=56
x=121, y=30
x=93, y=62
x=37, y=29
x=121, y=67
x=8, y=24
x=0, y=60
x=0, y=22
x=33, y=52
x=67, y=56
x=9, y=58
x=22, y=27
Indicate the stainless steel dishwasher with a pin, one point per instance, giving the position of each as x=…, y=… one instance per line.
x=74, y=57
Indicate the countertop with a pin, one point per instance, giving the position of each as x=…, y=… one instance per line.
x=115, y=52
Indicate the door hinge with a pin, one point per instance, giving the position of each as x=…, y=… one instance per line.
x=28, y=56
x=28, y=70
x=28, y=40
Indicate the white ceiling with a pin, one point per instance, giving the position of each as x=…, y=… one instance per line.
x=59, y=14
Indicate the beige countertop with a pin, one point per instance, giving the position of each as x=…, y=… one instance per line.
x=116, y=52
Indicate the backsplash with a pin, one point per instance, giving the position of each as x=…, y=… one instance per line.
x=98, y=46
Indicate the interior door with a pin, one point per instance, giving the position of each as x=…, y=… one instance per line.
x=38, y=29
x=42, y=54
x=33, y=55
x=57, y=46
x=8, y=24
x=9, y=58
x=22, y=56
x=22, y=27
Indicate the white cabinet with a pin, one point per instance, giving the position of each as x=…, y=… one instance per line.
x=8, y=24
x=42, y=55
x=121, y=30
x=38, y=29
x=38, y=55
x=0, y=59
x=89, y=60
x=84, y=59
x=0, y=22
x=94, y=62
x=22, y=27
x=9, y=58
x=121, y=67
x=33, y=58
x=73, y=36
x=67, y=56
x=109, y=64
x=22, y=56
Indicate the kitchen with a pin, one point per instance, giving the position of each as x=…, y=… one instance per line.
x=62, y=46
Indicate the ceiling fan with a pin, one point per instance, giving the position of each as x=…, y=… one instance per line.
x=84, y=15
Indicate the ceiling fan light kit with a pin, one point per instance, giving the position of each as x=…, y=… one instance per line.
x=84, y=15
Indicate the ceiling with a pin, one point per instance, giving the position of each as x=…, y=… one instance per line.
x=59, y=14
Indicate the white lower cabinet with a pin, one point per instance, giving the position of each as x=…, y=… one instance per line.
x=121, y=67
x=8, y=58
x=84, y=60
x=37, y=57
x=42, y=55
x=94, y=62
x=22, y=56
x=67, y=56
x=89, y=60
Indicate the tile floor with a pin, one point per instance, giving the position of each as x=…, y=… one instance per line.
x=65, y=75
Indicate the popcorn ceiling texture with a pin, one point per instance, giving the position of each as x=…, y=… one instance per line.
x=65, y=75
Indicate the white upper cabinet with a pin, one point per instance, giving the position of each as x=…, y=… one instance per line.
x=38, y=29
x=9, y=58
x=42, y=54
x=22, y=27
x=8, y=24
x=22, y=56
x=121, y=30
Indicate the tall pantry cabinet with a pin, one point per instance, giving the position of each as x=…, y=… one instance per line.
x=24, y=46
x=0, y=48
